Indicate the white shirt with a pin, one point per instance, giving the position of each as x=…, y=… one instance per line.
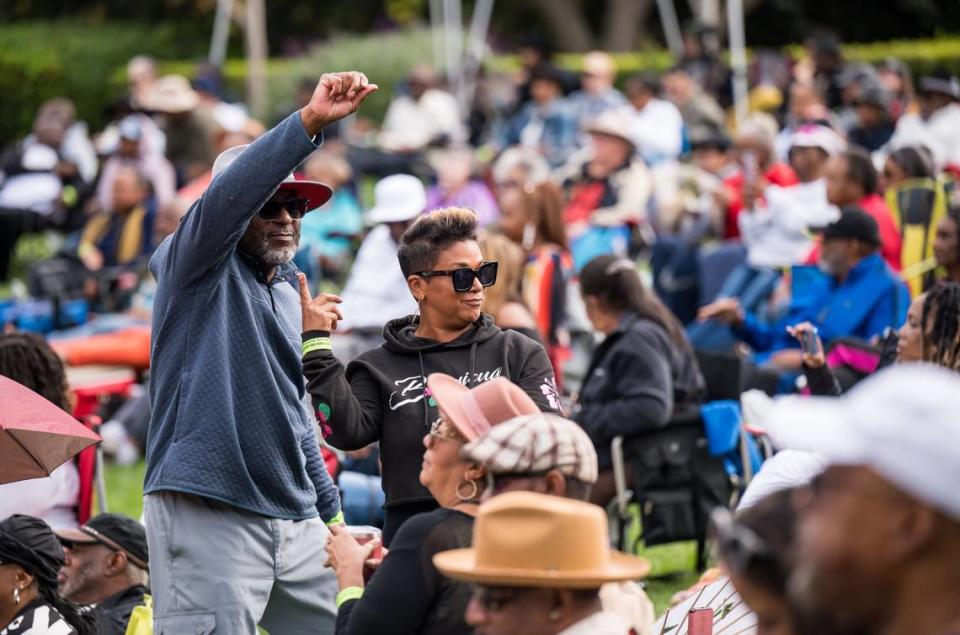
x=410, y=125
x=657, y=130
x=777, y=234
x=940, y=133
x=376, y=291
x=52, y=499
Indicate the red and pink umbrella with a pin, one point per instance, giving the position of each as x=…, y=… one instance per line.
x=36, y=436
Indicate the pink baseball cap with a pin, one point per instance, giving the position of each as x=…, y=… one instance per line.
x=474, y=411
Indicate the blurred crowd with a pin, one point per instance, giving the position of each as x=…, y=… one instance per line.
x=645, y=235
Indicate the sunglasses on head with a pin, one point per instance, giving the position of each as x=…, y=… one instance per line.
x=737, y=545
x=296, y=207
x=437, y=431
x=463, y=278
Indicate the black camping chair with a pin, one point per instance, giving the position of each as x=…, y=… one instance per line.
x=674, y=479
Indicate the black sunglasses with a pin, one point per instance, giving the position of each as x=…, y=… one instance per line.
x=296, y=207
x=463, y=277
x=495, y=598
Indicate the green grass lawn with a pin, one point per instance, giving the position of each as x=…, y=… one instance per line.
x=672, y=564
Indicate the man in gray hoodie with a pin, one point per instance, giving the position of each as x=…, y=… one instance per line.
x=237, y=497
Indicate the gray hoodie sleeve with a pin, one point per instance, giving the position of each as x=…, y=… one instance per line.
x=328, y=496
x=210, y=231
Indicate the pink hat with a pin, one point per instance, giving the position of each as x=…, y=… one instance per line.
x=474, y=411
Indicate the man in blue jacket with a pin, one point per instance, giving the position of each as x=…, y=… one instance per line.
x=236, y=493
x=859, y=295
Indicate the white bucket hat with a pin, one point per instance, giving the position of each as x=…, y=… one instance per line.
x=397, y=198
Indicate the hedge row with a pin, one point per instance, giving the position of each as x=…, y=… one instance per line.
x=922, y=56
x=85, y=63
x=41, y=61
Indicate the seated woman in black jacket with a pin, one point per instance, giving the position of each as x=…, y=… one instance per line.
x=644, y=370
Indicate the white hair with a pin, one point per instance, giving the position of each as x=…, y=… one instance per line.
x=536, y=166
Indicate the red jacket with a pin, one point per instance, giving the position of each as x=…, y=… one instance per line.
x=874, y=205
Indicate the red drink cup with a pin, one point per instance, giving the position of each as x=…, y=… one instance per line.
x=700, y=622
x=364, y=534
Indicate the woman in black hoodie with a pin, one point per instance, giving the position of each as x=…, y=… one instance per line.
x=642, y=373
x=382, y=394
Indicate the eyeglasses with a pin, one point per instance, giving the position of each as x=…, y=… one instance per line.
x=463, y=278
x=296, y=207
x=493, y=599
x=437, y=432
x=737, y=545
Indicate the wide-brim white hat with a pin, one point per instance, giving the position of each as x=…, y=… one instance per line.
x=397, y=198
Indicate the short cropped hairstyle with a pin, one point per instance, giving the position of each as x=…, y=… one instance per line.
x=421, y=244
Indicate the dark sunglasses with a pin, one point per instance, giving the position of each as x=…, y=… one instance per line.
x=494, y=598
x=463, y=277
x=296, y=207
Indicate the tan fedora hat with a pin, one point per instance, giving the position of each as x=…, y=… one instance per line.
x=474, y=411
x=535, y=540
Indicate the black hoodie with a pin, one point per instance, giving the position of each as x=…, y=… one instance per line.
x=380, y=396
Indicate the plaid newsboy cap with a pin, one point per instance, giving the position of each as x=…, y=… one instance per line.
x=535, y=444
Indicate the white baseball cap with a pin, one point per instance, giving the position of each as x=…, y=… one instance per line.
x=397, y=198
x=904, y=423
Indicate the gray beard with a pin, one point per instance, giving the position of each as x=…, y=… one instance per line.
x=275, y=257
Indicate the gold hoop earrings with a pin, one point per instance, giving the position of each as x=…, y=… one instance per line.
x=473, y=492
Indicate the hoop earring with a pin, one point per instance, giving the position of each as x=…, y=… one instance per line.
x=16, y=594
x=473, y=492
x=529, y=236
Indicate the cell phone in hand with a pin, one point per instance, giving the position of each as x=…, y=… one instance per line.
x=808, y=342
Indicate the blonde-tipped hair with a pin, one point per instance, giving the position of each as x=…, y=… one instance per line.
x=421, y=244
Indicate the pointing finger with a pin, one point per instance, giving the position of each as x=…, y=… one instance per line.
x=305, y=298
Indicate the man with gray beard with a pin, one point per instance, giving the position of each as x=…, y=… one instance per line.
x=237, y=498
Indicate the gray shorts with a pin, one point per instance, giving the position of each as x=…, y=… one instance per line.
x=217, y=568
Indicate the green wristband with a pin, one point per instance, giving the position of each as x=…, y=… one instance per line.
x=349, y=593
x=316, y=344
x=336, y=520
